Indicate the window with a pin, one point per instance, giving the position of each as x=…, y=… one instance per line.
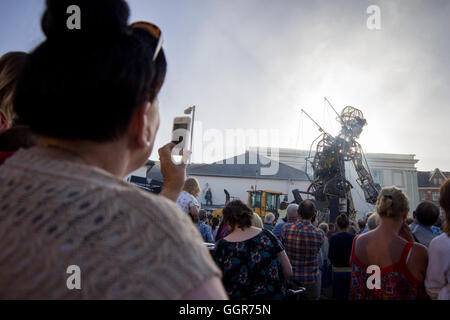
x=255, y=199
x=272, y=201
x=435, y=196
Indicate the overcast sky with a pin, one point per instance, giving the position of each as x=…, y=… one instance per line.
x=256, y=63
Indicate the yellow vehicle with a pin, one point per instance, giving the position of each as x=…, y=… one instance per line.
x=264, y=201
x=261, y=201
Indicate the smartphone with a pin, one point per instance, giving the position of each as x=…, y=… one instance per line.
x=181, y=133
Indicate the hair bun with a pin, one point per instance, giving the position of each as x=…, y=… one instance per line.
x=98, y=18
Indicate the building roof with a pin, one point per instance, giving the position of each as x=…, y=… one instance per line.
x=423, y=177
x=247, y=165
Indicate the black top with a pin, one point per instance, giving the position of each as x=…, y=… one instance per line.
x=340, y=249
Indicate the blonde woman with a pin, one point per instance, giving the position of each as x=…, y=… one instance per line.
x=187, y=200
x=12, y=137
x=390, y=247
x=437, y=281
x=11, y=64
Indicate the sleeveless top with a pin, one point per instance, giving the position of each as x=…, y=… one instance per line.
x=397, y=282
x=56, y=212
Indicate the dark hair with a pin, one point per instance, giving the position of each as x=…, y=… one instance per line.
x=86, y=84
x=214, y=222
x=194, y=217
x=307, y=209
x=444, y=201
x=237, y=214
x=427, y=213
x=332, y=227
x=17, y=137
x=409, y=220
x=342, y=221
x=361, y=224
x=202, y=214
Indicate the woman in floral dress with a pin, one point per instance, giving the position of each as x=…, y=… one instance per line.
x=253, y=261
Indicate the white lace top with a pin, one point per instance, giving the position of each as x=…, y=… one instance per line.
x=129, y=244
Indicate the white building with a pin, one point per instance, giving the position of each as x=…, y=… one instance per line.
x=285, y=170
x=240, y=174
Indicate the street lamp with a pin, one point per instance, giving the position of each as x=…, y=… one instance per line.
x=190, y=110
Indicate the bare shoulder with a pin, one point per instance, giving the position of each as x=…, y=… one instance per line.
x=419, y=251
x=418, y=261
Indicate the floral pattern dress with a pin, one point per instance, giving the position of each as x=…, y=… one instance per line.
x=252, y=269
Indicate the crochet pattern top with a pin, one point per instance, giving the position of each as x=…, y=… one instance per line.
x=129, y=244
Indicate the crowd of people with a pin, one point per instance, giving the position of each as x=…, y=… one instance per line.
x=331, y=260
x=80, y=112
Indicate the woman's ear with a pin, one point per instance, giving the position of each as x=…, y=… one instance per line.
x=4, y=125
x=139, y=129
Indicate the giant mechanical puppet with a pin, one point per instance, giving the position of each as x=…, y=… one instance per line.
x=329, y=184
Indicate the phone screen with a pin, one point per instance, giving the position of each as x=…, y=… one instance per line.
x=180, y=133
x=177, y=126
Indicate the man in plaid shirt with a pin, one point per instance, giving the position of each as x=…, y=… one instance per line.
x=302, y=242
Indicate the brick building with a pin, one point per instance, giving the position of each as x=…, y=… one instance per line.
x=429, y=183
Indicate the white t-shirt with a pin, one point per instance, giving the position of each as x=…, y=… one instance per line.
x=186, y=200
x=437, y=281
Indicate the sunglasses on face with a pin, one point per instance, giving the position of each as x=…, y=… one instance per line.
x=154, y=31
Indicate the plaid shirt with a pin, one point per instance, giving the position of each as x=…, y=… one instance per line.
x=302, y=242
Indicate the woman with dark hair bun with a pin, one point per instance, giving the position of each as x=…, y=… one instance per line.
x=253, y=261
x=90, y=95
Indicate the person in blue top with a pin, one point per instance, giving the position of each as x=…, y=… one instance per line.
x=291, y=217
x=204, y=228
x=425, y=216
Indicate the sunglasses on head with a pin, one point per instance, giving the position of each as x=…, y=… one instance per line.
x=154, y=31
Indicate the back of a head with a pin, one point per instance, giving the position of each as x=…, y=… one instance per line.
x=342, y=221
x=324, y=227
x=373, y=221
x=292, y=212
x=444, y=202
x=237, y=215
x=361, y=224
x=192, y=186
x=11, y=65
x=332, y=227
x=202, y=214
x=307, y=209
x=427, y=213
x=86, y=84
x=269, y=218
x=215, y=222
x=367, y=216
x=392, y=203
